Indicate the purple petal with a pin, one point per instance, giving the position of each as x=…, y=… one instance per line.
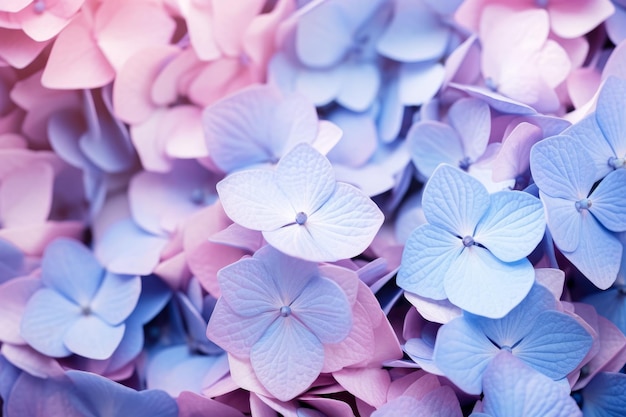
x=287, y=359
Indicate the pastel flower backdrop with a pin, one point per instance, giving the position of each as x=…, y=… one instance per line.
x=313, y=208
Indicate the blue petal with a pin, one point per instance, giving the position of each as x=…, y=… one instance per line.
x=562, y=169
x=47, y=317
x=605, y=395
x=287, y=359
x=513, y=226
x=324, y=309
x=91, y=337
x=71, y=269
x=32, y=396
x=323, y=35
x=462, y=352
x=513, y=389
x=511, y=328
x=116, y=298
x=564, y=221
x=125, y=248
x=586, y=134
x=414, y=34
x=609, y=201
x=480, y=283
x=106, y=397
x=419, y=82
x=426, y=258
x=555, y=346
x=598, y=254
x=610, y=114
x=432, y=143
x=359, y=87
x=454, y=201
x=472, y=119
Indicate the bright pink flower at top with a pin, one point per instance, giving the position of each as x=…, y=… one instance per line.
x=568, y=18
x=97, y=43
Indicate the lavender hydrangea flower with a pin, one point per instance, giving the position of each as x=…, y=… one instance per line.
x=81, y=307
x=581, y=214
x=279, y=320
x=301, y=209
x=473, y=249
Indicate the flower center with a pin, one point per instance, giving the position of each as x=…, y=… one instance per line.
x=85, y=310
x=583, y=204
x=39, y=6
x=507, y=348
x=301, y=218
x=285, y=311
x=616, y=162
x=201, y=197
x=491, y=84
x=468, y=241
x=465, y=163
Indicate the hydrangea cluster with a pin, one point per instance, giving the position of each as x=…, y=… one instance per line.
x=313, y=208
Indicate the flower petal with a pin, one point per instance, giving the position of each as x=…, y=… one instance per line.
x=454, y=201
x=26, y=195
x=432, y=143
x=555, y=345
x=426, y=258
x=324, y=309
x=513, y=389
x=513, y=226
x=234, y=333
x=480, y=283
x=47, y=318
x=609, y=201
x=252, y=199
x=116, y=298
x=287, y=359
x=471, y=118
x=562, y=169
x=92, y=338
x=462, y=352
x=72, y=270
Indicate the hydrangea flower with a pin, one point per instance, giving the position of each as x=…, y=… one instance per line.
x=301, y=209
x=581, y=215
x=550, y=341
x=513, y=389
x=280, y=321
x=473, y=249
x=604, y=395
x=81, y=307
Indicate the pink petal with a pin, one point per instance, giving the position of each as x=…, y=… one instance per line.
x=133, y=85
x=125, y=28
x=76, y=61
x=184, y=132
x=26, y=195
x=231, y=20
x=573, y=18
x=14, y=295
x=368, y=384
x=18, y=49
x=32, y=240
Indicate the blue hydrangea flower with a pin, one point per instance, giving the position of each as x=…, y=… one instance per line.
x=81, y=308
x=279, y=312
x=473, y=249
x=547, y=340
x=582, y=215
x=513, y=389
x=300, y=207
